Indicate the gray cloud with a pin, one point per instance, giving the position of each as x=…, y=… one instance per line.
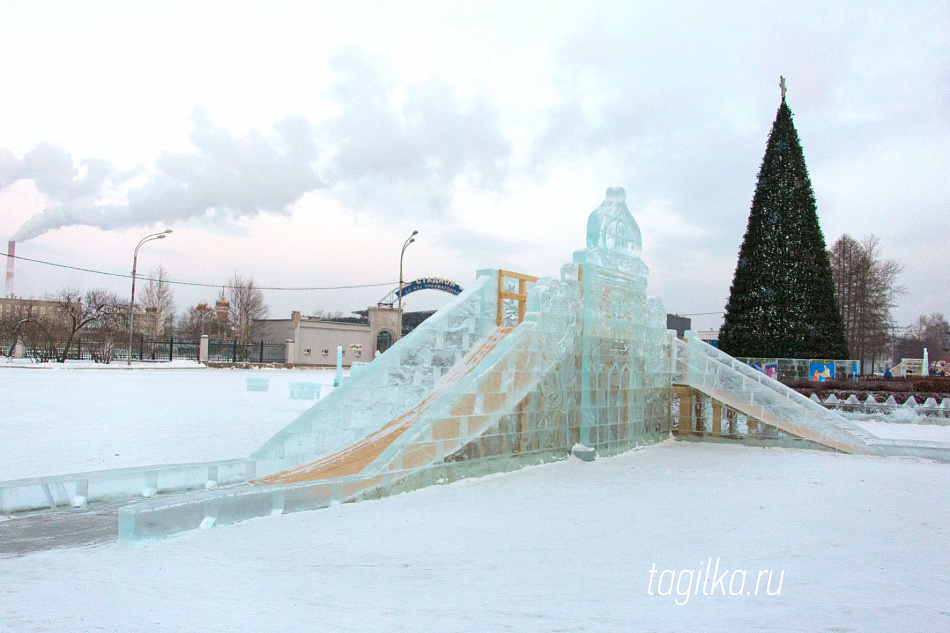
x=407, y=157
x=487, y=245
x=384, y=158
x=75, y=191
x=230, y=176
x=10, y=168
x=684, y=107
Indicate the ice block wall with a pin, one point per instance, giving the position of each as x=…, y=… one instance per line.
x=590, y=364
x=391, y=384
x=525, y=404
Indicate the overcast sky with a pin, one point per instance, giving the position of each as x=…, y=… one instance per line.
x=300, y=143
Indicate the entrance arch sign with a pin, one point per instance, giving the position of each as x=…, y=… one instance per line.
x=430, y=283
x=423, y=283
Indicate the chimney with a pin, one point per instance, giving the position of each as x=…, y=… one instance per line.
x=11, y=254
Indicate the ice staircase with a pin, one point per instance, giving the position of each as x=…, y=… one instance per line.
x=704, y=369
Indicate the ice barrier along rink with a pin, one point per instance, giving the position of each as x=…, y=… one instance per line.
x=487, y=384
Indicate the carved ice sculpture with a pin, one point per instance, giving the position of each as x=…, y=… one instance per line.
x=592, y=363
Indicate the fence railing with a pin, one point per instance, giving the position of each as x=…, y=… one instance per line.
x=889, y=407
x=156, y=350
x=167, y=350
x=254, y=352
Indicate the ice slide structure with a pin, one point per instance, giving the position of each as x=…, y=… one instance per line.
x=515, y=371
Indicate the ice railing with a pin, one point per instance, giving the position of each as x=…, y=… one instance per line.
x=889, y=407
x=393, y=383
x=78, y=489
x=715, y=373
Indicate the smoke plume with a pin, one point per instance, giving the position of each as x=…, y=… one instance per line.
x=383, y=156
x=235, y=177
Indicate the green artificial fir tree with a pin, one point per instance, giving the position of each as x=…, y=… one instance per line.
x=782, y=300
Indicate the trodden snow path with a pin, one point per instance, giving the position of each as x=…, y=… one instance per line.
x=566, y=546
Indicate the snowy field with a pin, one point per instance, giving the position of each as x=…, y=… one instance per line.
x=898, y=431
x=57, y=419
x=852, y=543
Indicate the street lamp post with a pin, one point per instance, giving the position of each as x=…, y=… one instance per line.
x=404, y=247
x=135, y=259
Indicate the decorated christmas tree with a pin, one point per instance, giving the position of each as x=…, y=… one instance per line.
x=782, y=301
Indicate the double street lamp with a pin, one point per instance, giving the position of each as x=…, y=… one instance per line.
x=404, y=247
x=135, y=259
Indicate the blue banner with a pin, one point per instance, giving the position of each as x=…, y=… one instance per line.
x=430, y=283
x=820, y=372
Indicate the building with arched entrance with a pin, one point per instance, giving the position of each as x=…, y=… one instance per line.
x=314, y=341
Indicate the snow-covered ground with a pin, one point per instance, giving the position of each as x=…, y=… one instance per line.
x=57, y=419
x=569, y=546
x=897, y=431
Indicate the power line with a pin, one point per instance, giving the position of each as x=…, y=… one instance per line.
x=193, y=283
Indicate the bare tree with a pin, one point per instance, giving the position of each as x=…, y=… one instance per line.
x=931, y=332
x=246, y=304
x=30, y=324
x=106, y=334
x=866, y=289
x=158, y=303
x=935, y=332
x=73, y=312
x=197, y=321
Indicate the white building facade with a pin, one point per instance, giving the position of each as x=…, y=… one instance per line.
x=313, y=342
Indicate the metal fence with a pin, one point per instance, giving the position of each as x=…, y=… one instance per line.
x=169, y=350
x=254, y=352
x=157, y=350
x=80, y=349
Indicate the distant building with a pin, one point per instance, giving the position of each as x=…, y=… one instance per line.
x=313, y=341
x=12, y=308
x=709, y=336
x=221, y=310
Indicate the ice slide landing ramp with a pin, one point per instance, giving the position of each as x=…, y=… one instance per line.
x=721, y=377
x=353, y=459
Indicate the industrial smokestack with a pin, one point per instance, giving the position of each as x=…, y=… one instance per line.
x=11, y=253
